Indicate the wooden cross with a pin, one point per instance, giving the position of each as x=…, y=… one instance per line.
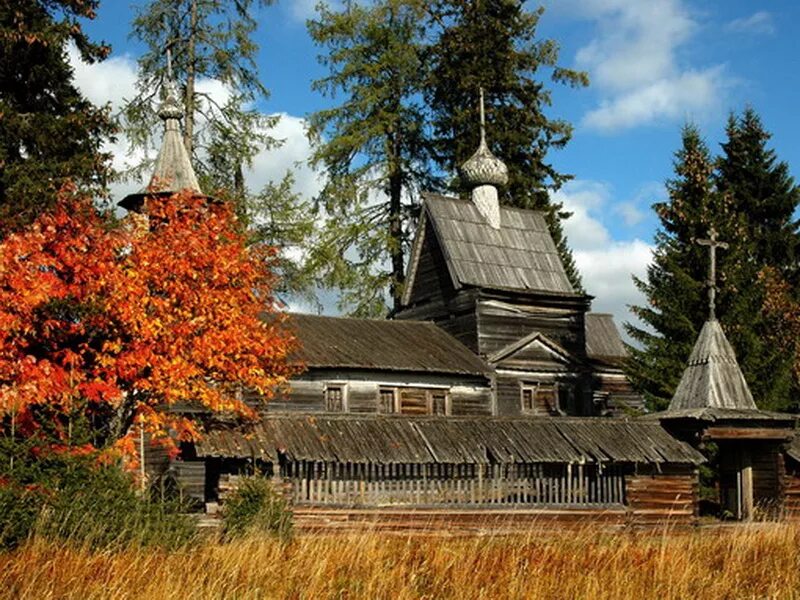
x=713, y=243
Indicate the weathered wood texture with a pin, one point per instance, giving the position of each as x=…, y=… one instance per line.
x=425, y=440
x=790, y=471
x=451, y=521
x=670, y=496
x=454, y=484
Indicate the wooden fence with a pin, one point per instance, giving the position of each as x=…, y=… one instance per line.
x=465, y=485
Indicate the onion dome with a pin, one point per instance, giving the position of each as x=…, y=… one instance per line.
x=483, y=167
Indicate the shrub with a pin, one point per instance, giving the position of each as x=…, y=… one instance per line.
x=255, y=507
x=76, y=499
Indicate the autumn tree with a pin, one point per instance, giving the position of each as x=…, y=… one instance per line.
x=494, y=45
x=50, y=131
x=103, y=328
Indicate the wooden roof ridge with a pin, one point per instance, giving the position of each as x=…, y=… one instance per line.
x=712, y=377
x=404, y=345
x=447, y=440
x=513, y=347
x=519, y=256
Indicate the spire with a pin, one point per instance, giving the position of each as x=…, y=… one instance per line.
x=172, y=171
x=483, y=172
x=712, y=378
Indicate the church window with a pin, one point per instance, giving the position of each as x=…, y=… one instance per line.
x=387, y=399
x=439, y=403
x=335, y=398
x=538, y=398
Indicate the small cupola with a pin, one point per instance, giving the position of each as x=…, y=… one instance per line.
x=172, y=171
x=483, y=172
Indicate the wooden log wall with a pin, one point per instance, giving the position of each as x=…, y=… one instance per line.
x=790, y=474
x=463, y=485
x=671, y=496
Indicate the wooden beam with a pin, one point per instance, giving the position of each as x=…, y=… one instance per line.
x=746, y=433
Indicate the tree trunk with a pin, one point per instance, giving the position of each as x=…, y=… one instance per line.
x=188, y=132
x=396, y=236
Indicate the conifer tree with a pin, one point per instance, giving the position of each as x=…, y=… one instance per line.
x=49, y=131
x=674, y=285
x=213, y=40
x=372, y=146
x=749, y=198
x=492, y=44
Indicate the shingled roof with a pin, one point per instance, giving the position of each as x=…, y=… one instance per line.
x=380, y=344
x=712, y=378
x=453, y=440
x=520, y=255
x=602, y=338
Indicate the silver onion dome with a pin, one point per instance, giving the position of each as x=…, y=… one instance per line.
x=483, y=167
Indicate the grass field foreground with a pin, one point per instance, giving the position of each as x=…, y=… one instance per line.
x=760, y=561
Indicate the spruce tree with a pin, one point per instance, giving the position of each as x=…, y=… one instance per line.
x=49, y=132
x=765, y=198
x=749, y=198
x=492, y=44
x=372, y=146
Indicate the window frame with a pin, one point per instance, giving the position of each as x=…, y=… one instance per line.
x=534, y=387
x=342, y=386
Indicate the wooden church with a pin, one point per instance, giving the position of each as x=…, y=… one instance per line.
x=492, y=398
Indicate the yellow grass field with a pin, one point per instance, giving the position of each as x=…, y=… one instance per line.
x=759, y=561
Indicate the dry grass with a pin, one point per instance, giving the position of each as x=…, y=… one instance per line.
x=742, y=562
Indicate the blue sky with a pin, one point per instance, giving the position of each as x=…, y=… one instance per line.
x=653, y=64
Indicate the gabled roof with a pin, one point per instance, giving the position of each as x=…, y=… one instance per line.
x=603, y=341
x=519, y=256
x=712, y=378
x=552, y=348
x=379, y=344
x=449, y=440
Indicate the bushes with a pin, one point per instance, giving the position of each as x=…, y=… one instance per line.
x=73, y=498
x=255, y=507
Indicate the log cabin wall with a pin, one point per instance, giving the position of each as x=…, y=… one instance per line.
x=790, y=487
x=368, y=392
x=669, y=494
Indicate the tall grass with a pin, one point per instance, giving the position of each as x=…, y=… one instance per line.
x=743, y=562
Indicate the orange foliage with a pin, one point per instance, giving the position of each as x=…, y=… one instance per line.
x=117, y=324
x=783, y=312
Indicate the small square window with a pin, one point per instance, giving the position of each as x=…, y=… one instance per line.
x=386, y=400
x=439, y=402
x=334, y=398
x=539, y=398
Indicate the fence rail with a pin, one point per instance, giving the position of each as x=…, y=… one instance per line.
x=414, y=484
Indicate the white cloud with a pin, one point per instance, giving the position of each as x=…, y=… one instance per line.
x=758, y=23
x=303, y=10
x=630, y=213
x=114, y=81
x=633, y=62
x=606, y=265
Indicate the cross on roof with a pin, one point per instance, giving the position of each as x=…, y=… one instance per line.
x=713, y=243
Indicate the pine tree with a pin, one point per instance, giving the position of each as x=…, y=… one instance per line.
x=749, y=198
x=372, y=147
x=49, y=132
x=492, y=44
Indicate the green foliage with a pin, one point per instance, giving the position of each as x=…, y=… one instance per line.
x=209, y=39
x=255, y=507
x=409, y=74
x=50, y=132
x=73, y=498
x=493, y=45
x=373, y=146
x=749, y=198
